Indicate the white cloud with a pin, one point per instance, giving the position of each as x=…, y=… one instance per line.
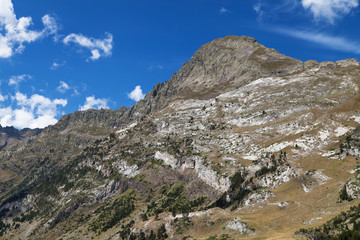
x=329, y=10
x=136, y=94
x=258, y=9
x=16, y=80
x=75, y=93
x=36, y=111
x=3, y=98
x=223, y=10
x=95, y=54
x=55, y=65
x=332, y=42
x=97, y=47
x=63, y=87
x=94, y=103
x=14, y=32
x=269, y=9
x=50, y=24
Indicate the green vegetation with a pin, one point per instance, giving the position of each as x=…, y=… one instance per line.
x=221, y=237
x=265, y=170
x=237, y=180
x=3, y=227
x=126, y=230
x=237, y=191
x=343, y=195
x=181, y=224
x=26, y=217
x=345, y=226
x=112, y=214
x=274, y=164
x=173, y=198
x=159, y=235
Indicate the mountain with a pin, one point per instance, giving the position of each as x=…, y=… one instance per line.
x=242, y=142
x=10, y=136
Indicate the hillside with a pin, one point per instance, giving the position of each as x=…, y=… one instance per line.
x=242, y=142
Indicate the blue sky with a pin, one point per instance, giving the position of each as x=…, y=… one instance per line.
x=60, y=56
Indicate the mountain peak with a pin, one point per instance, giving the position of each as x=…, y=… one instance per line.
x=236, y=39
x=230, y=62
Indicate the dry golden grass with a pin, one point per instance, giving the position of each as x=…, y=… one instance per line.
x=352, y=104
x=5, y=175
x=274, y=222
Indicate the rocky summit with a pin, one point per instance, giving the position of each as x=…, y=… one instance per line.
x=242, y=142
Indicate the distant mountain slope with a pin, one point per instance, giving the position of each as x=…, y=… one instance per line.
x=10, y=136
x=241, y=143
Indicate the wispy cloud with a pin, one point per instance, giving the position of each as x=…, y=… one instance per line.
x=329, y=10
x=158, y=66
x=16, y=80
x=63, y=87
x=269, y=8
x=55, y=65
x=137, y=94
x=322, y=10
x=258, y=9
x=223, y=10
x=332, y=42
x=97, y=47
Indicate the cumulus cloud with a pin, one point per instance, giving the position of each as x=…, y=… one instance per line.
x=94, y=103
x=15, y=32
x=36, y=111
x=332, y=42
x=136, y=94
x=97, y=47
x=16, y=80
x=329, y=10
x=63, y=87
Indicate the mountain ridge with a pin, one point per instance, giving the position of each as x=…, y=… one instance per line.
x=156, y=99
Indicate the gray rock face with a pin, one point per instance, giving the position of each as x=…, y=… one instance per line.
x=10, y=136
x=242, y=227
x=217, y=67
